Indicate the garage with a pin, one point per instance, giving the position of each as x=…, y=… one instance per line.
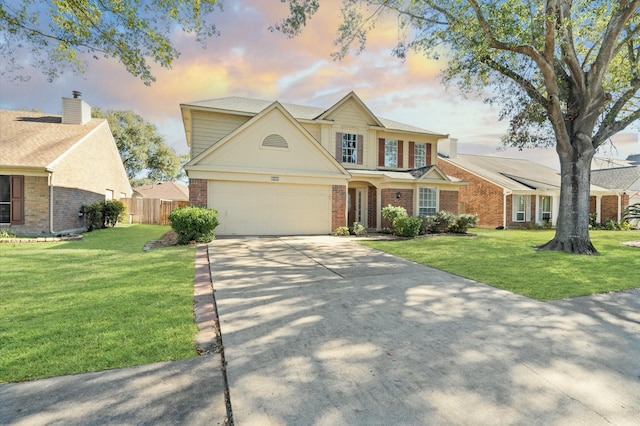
x=271, y=208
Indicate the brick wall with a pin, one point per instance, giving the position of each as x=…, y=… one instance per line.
x=36, y=207
x=609, y=206
x=449, y=201
x=480, y=197
x=389, y=196
x=372, y=208
x=198, y=192
x=338, y=206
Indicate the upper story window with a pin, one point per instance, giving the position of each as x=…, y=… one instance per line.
x=391, y=153
x=419, y=155
x=350, y=148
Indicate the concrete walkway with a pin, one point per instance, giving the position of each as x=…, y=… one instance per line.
x=323, y=331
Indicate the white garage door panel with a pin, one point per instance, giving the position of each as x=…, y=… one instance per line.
x=270, y=208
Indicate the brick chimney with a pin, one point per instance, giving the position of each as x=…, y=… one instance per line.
x=75, y=110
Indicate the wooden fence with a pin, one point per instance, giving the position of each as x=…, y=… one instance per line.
x=152, y=211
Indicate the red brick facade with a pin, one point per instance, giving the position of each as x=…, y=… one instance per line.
x=479, y=197
x=390, y=196
x=198, y=192
x=338, y=206
x=449, y=201
x=372, y=209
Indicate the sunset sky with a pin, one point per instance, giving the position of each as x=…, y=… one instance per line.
x=249, y=60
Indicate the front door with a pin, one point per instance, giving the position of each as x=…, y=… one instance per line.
x=351, y=206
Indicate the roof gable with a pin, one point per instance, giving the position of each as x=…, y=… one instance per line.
x=273, y=140
x=354, y=106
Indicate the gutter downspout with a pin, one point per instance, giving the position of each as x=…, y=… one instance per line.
x=50, y=179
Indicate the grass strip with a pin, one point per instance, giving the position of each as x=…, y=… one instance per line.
x=508, y=259
x=96, y=304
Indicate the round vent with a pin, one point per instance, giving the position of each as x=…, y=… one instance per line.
x=275, y=141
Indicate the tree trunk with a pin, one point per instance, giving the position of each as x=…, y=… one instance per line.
x=572, y=225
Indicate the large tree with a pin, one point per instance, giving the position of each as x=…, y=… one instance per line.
x=565, y=71
x=145, y=155
x=55, y=34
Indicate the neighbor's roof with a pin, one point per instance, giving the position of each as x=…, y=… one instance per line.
x=299, y=112
x=33, y=139
x=510, y=173
x=621, y=178
x=164, y=190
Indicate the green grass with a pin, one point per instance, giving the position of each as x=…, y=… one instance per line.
x=95, y=304
x=508, y=260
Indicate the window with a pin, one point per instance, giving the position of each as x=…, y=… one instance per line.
x=12, y=199
x=5, y=199
x=349, y=148
x=419, y=155
x=427, y=201
x=520, y=208
x=545, y=208
x=390, y=153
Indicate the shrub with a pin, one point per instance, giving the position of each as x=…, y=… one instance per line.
x=391, y=213
x=407, y=226
x=341, y=231
x=92, y=214
x=428, y=225
x=358, y=229
x=5, y=233
x=463, y=222
x=443, y=221
x=102, y=214
x=112, y=211
x=194, y=224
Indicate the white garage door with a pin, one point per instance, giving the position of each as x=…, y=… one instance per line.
x=247, y=208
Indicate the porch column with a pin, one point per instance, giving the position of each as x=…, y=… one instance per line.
x=538, y=218
x=555, y=208
x=599, y=208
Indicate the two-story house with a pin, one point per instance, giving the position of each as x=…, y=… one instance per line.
x=280, y=169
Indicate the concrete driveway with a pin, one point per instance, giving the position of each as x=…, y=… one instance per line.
x=323, y=331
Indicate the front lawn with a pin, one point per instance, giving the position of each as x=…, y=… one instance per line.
x=508, y=259
x=95, y=304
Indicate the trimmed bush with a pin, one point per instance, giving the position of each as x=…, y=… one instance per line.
x=392, y=212
x=341, y=231
x=102, y=214
x=358, y=229
x=112, y=211
x=463, y=222
x=194, y=224
x=407, y=226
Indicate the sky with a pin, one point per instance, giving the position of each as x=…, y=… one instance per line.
x=249, y=60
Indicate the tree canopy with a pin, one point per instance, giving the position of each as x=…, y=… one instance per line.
x=55, y=34
x=565, y=72
x=145, y=155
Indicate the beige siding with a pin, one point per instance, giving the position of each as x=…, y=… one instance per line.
x=208, y=128
x=246, y=153
x=314, y=130
x=351, y=115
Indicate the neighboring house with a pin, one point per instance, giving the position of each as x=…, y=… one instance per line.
x=277, y=169
x=51, y=165
x=621, y=180
x=515, y=193
x=163, y=190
